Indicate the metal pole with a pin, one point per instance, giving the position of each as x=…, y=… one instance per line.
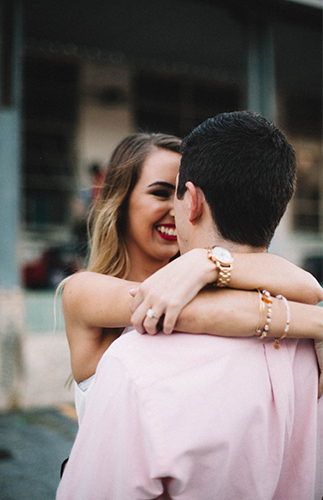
x=261, y=95
x=11, y=301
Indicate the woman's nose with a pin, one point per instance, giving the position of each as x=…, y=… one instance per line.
x=171, y=210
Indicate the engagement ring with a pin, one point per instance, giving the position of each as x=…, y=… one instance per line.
x=150, y=314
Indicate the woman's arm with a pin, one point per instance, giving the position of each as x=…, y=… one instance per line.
x=95, y=308
x=275, y=274
x=98, y=300
x=235, y=313
x=172, y=287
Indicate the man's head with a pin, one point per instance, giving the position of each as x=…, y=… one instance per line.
x=245, y=168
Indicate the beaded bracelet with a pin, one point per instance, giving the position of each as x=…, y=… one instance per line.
x=265, y=299
x=276, y=343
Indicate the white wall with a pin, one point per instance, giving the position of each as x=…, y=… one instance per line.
x=101, y=127
x=295, y=246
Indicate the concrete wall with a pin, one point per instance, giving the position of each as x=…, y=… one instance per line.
x=35, y=363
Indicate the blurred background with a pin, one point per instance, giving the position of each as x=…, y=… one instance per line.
x=75, y=79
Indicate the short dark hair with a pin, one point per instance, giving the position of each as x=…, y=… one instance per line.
x=246, y=169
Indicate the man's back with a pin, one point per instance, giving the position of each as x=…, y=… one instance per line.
x=201, y=417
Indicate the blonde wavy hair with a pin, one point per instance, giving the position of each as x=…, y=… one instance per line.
x=108, y=252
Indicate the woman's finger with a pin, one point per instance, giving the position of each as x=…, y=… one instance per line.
x=138, y=297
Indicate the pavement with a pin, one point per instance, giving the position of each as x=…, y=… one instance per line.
x=33, y=444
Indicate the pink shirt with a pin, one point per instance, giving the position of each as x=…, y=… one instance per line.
x=201, y=417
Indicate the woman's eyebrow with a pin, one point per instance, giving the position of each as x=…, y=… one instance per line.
x=164, y=184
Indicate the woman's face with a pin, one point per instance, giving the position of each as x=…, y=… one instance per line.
x=150, y=229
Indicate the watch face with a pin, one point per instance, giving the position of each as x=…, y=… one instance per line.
x=222, y=255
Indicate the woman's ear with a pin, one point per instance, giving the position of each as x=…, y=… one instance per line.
x=196, y=199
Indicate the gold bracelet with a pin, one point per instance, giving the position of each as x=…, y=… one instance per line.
x=276, y=343
x=261, y=314
x=266, y=299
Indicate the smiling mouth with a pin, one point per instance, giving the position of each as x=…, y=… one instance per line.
x=167, y=232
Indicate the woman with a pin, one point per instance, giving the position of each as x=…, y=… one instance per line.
x=134, y=236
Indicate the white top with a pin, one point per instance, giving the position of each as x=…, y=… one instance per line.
x=83, y=390
x=82, y=395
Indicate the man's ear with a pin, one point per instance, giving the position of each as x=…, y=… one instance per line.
x=196, y=198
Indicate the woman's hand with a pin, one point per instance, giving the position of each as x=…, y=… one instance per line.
x=167, y=291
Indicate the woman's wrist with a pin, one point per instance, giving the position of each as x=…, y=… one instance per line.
x=294, y=320
x=203, y=268
x=210, y=271
x=267, y=316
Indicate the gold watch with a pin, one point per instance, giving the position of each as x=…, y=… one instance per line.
x=223, y=261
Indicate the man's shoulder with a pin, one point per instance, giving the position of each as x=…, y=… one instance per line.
x=134, y=346
x=149, y=359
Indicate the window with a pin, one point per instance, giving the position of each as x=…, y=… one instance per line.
x=306, y=204
x=175, y=105
x=304, y=124
x=50, y=99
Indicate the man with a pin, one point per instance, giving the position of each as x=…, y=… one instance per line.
x=192, y=416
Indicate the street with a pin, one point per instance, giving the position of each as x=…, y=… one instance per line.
x=33, y=444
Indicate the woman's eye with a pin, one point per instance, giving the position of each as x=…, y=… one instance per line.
x=161, y=193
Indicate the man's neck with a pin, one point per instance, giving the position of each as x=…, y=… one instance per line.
x=234, y=247
x=213, y=238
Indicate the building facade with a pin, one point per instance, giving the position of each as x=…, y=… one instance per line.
x=164, y=66
x=76, y=78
